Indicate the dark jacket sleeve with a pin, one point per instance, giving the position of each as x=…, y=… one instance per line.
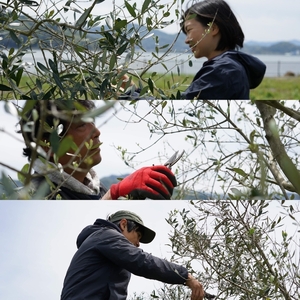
x=135, y=95
x=115, y=247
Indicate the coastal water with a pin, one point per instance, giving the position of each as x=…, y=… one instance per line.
x=277, y=65
x=185, y=63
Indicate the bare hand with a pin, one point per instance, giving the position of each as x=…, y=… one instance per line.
x=125, y=80
x=196, y=287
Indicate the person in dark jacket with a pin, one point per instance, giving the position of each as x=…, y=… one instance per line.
x=108, y=252
x=70, y=174
x=212, y=31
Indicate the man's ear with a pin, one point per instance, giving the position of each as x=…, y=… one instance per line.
x=46, y=147
x=123, y=224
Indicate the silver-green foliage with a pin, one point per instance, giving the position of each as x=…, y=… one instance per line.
x=240, y=249
x=85, y=54
x=245, y=149
x=33, y=125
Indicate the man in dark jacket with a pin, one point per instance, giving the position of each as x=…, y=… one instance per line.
x=63, y=146
x=107, y=255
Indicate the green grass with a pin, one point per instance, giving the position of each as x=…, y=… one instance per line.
x=277, y=88
x=281, y=88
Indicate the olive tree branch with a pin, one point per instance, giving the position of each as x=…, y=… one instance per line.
x=278, y=150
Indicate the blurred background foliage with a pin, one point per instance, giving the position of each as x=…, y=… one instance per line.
x=82, y=59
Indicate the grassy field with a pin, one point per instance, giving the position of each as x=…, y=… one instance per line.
x=275, y=88
x=281, y=88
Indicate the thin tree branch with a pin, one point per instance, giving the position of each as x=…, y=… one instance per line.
x=280, y=155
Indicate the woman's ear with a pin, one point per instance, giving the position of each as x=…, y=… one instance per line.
x=214, y=29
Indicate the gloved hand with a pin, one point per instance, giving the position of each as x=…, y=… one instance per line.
x=156, y=182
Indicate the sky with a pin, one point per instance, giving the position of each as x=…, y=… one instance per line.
x=114, y=133
x=120, y=128
x=264, y=21
x=38, y=241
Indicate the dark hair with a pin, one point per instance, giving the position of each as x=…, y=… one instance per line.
x=51, y=119
x=131, y=225
x=220, y=13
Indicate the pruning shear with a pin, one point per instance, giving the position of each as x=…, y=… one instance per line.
x=209, y=296
x=173, y=159
x=29, y=2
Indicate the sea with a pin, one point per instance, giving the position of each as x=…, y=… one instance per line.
x=185, y=63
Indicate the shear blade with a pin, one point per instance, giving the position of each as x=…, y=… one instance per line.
x=173, y=159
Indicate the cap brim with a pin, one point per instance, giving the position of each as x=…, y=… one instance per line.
x=148, y=235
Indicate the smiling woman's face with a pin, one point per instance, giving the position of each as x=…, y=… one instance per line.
x=201, y=39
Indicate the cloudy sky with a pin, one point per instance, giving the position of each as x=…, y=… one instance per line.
x=261, y=20
x=115, y=132
x=119, y=127
x=38, y=241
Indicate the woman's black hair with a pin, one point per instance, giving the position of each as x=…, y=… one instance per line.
x=219, y=13
x=50, y=119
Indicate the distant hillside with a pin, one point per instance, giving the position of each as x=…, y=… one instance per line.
x=165, y=40
x=267, y=44
x=277, y=48
x=109, y=180
x=192, y=195
x=252, y=47
x=271, y=48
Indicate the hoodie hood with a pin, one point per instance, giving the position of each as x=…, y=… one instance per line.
x=88, y=230
x=255, y=68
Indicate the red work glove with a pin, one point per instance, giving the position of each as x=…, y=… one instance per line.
x=155, y=183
